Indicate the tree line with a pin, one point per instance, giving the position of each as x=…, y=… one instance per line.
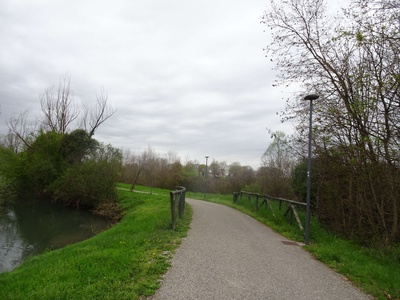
x=167, y=171
x=152, y=169
x=350, y=59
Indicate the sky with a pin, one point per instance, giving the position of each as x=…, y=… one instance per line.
x=188, y=77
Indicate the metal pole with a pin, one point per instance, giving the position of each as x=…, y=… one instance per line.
x=308, y=207
x=308, y=203
x=205, y=175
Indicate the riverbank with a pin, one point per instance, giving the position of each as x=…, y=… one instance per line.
x=124, y=262
x=30, y=226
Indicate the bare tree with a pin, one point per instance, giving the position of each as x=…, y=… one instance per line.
x=142, y=162
x=59, y=113
x=58, y=107
x=19, y=133
x=94, y=117
x=279, y=154
x=11, y=141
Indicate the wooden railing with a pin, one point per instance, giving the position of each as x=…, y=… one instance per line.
x=256, y=198
x=178, y=199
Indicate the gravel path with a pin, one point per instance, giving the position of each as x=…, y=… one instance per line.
x=229, y=255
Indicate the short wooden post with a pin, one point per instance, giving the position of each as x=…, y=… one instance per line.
x=173, y=211
x=297, y=217
x=181, y=203
x=256, y=202
x=235, y=197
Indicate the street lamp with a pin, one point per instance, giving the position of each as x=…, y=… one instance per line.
x=308, y=204
x=205, y=190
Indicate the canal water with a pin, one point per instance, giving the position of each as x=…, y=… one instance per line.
x=30, y=226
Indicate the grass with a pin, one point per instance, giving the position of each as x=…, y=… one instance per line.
x=376, y=271
x=123, y=262
x=145, y=189
x=127, y=261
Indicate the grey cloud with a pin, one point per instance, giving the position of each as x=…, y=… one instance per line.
x=184, y=76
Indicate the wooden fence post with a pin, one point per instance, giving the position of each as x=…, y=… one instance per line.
x=173, y=211
x=177, y=202
x=291, y=209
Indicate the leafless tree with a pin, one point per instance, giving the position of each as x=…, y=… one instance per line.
x=279, y=154
x=94, y=117
x=11, y=141
x=60, y=110
x=142, y=162
x=58, y=107
x=19, y=132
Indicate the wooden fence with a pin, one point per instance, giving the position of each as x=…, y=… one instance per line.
x=259, y=200
x=178, y=199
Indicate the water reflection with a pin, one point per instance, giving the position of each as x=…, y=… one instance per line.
x=31, y=226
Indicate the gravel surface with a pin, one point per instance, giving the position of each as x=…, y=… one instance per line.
x=229, y=255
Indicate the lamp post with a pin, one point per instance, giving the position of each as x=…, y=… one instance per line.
x=205, y=175
x=308, y=204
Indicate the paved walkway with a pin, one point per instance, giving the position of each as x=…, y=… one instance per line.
x=229, y=255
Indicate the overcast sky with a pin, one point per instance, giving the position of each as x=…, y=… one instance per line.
x=184, y=76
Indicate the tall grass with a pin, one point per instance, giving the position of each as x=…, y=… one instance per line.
x=124, y=262
x=376, y=271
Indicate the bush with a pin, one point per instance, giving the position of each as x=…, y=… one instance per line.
x=90, y=183
x=73, y=169
x=42, y=163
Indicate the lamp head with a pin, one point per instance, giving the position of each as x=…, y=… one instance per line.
x=311, y=97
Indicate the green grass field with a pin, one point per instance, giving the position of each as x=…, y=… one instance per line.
x=124, y=262
x=127, y=261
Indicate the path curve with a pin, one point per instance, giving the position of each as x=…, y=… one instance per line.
x=229, y=255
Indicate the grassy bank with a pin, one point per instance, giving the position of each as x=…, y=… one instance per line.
x=376, y=271
x=124, y=262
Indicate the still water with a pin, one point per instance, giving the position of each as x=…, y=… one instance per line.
x=31, y=226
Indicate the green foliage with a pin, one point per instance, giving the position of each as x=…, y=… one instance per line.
x=360, y=37
x=356, y=199
x=355, y=124
x=191, y=179
x=76, y=145
x=8, y=159
x=299, y=181
x=9, y=166
x=91, y=182
x=72, y=168
x=253, y=188
x=43, y=162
